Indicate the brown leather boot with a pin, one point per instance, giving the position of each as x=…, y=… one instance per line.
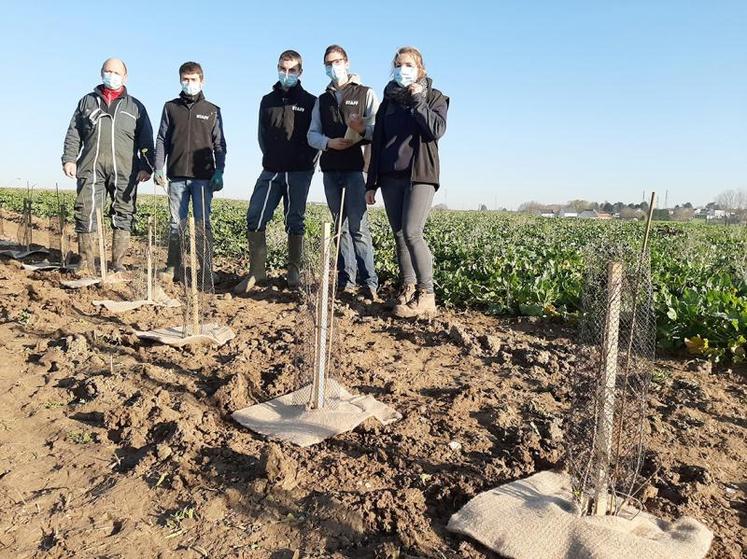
x=422, y=305
x=406, y=292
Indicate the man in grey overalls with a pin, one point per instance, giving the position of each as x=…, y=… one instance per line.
x=109, y=150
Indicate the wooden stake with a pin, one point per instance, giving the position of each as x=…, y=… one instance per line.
x=317, y=390
x=63, y=241
x=27, y=222
x=102, y=244
x=193, y=264
x=607, y=389
x=149, y=260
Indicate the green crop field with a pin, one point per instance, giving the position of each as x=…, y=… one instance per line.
x=517, y=265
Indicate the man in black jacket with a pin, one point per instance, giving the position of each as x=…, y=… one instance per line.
x=191, y=137
x=288, y=166
x=108, y=150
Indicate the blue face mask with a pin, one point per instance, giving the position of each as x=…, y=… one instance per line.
x=336, y=72
x=112, y=80
x=287, y=80
x=405, y=75
x=191, y=88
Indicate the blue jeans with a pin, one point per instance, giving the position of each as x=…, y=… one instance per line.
x=356, y=260
x=180, y=192
x=292, y=187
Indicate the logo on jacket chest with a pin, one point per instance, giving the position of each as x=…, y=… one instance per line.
x=353, y=102
x=203, y=117
x=297, y=108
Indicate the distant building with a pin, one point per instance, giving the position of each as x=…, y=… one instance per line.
x=547, y=214
x=594, y=214
x=566, y=213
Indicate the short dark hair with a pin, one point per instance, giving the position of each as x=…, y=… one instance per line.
x=191, y=68
x=335, y=48
x=291, y=55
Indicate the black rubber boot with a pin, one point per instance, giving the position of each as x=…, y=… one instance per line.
x=295, y=260
x=120, y=243
x=257, y=262
x=87, y=265
x=173, y=259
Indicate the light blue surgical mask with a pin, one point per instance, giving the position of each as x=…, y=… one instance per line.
x=336, y=72
x=405, y=75
x=112, y=80
x=287, y=80
x=191, y=88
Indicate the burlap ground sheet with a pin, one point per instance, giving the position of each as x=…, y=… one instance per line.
x=537, y=518
x=210, y=334
x=287, y=419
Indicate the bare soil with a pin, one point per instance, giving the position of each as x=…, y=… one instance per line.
x=112, y=447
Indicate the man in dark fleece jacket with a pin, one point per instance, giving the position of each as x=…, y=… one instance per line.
x=191, y=138
x=108, y=150
x=288, y=166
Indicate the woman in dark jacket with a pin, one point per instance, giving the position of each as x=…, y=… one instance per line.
x=405, y=166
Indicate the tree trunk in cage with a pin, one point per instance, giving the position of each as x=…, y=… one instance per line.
x=149, y=260
x=607, y=388
x=102, y=244
x=317, y=391
x=193, y=265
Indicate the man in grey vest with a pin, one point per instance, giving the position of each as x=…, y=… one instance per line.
x=342, y=123
x=108, y=150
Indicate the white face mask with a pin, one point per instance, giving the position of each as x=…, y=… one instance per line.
x=112, y=80
x=337, y=72
x=191, y=88
x=405, y=75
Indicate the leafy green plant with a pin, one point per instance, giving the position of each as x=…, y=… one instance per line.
x=511, y=265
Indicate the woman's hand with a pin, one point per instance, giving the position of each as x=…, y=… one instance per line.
x=415, y=89
x=370, y=197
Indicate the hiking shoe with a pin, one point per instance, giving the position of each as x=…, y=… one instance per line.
x=422, y=305
x=406, y=292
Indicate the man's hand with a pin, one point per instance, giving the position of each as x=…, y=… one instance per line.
x=70, y=169
x=357, y=123
x=370, y=197
x=216, y=181
x=143, y=176
x=339, y=143
x=159, y=177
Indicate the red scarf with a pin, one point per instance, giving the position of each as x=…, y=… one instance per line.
x=111, y=95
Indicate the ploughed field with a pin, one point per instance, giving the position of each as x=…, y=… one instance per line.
x=111, y=447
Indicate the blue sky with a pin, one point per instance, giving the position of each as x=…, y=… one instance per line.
x=550, y=100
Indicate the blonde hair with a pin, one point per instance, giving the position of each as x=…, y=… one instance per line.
x=415, y=53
